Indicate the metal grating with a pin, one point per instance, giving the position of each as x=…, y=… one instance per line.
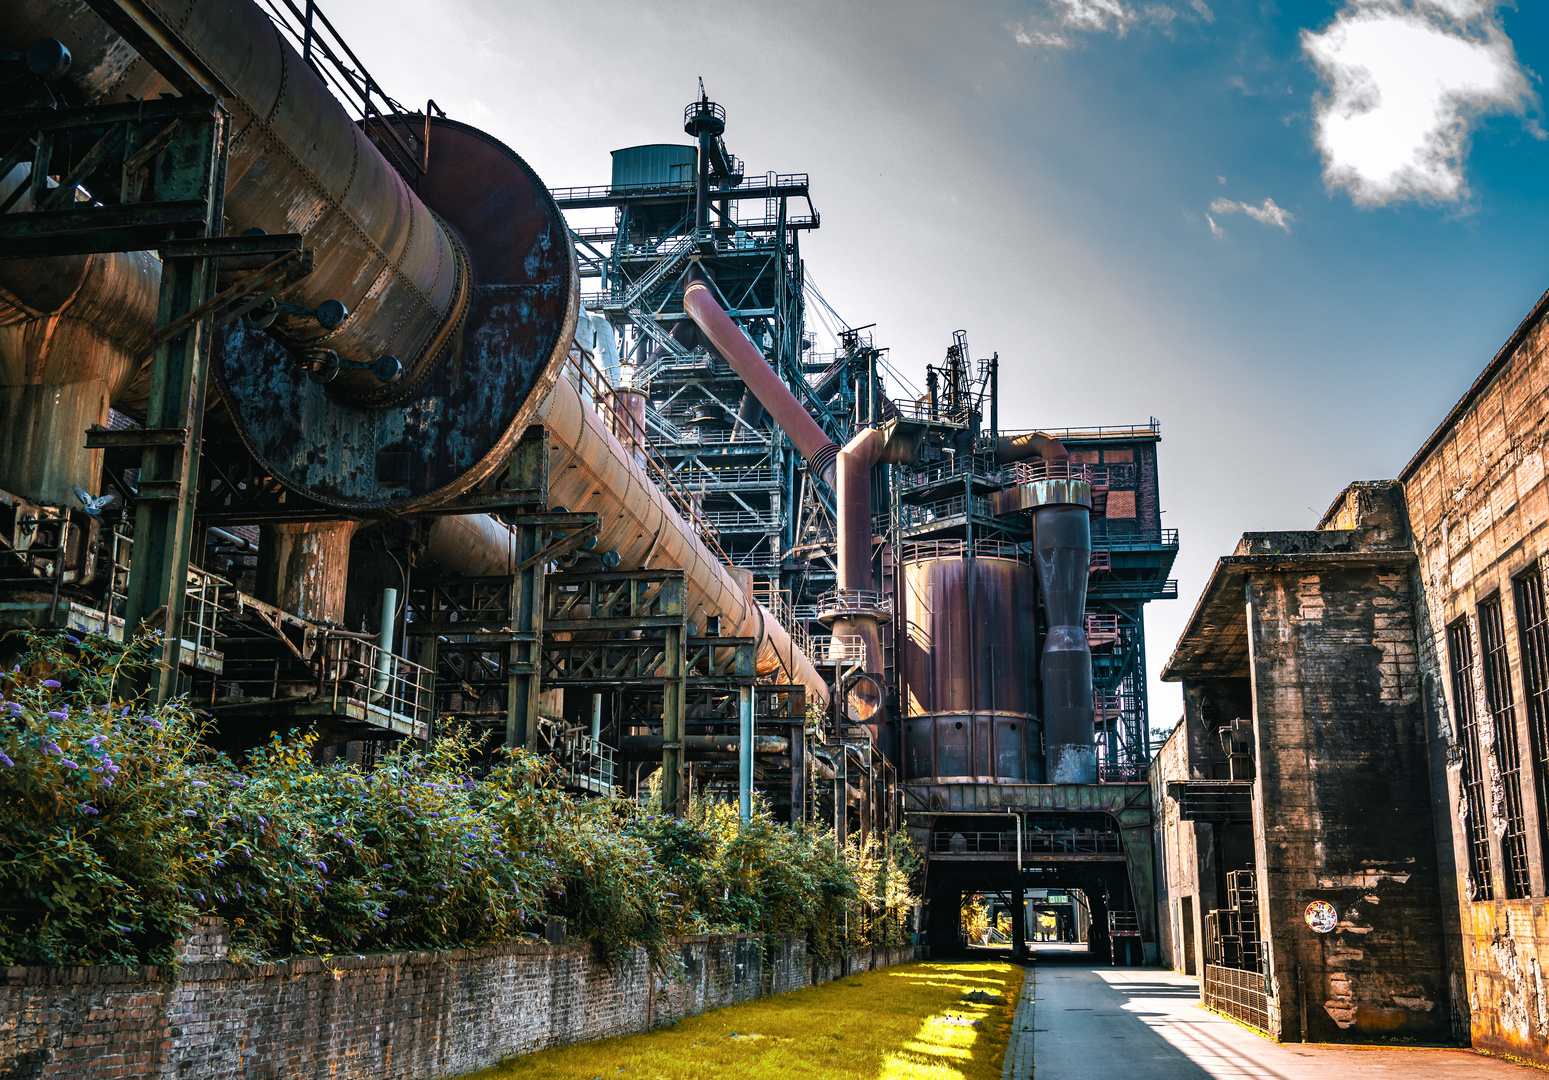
x=1508, y=754
x=1460, y=647
x=1533, y=625
x=1242, y=995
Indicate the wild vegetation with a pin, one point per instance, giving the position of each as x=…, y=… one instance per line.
x=118, y=825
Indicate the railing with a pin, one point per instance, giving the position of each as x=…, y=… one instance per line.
x=1242, y=995
x=780, y=181
x=605, y=398
x=589, y=765
x=1121, y=774
x=854, y=602
x=720, y=477
x=840, y=650
x=960, y=465
x=325, y=51
x=927, y=513
x=1102, y=629
x=1028, y=472
x=937, y=414
x=920, y=550
x=1153, y=429
x=1100, y=561
x=394, y=693
x=778, y=603
x=1059, y=842
x=739, y=521
x=609, y=233
x=1150, y=538
x=205, y=600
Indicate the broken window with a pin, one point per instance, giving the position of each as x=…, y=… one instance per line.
x=1533, y=625
x=1460, y=646
x=1508, y=756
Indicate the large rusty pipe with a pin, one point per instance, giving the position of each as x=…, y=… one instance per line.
x=590, y=470
x=298, y=163
x=747, y=360
x=1064, y=546
x=74, y=332
x=1009, y=448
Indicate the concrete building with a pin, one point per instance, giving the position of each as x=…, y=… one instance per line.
x=1366, y=727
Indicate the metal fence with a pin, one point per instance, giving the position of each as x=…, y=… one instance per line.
x=1242, y=995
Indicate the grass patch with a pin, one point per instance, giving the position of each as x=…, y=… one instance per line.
x=920, y=1021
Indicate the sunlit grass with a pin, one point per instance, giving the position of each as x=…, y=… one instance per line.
x=903, y=1023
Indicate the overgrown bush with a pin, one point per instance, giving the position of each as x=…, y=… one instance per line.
x=118, y=825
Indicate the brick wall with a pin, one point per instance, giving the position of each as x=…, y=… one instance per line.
x=410, y=1015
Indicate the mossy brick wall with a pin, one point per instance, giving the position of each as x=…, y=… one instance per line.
x=409, y=1015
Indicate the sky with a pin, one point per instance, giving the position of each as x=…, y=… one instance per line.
x=1294, y=233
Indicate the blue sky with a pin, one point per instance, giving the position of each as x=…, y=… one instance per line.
x=1043, y=175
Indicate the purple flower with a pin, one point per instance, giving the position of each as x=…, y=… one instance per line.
x=57, y=714
x=190, y=813
x=52, y=684
x=67, y=763
x=85, y=809
x=6, y=761
x=321, y=865
x=200, y=783
x=72, y=639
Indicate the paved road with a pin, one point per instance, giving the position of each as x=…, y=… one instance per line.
x=1098, y=1023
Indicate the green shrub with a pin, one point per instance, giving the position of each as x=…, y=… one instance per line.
x=118, y=825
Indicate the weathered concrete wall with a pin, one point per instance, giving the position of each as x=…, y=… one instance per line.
x=1479, y=509
x=411, y=1015
x=1177, y=860
x=1344, y=803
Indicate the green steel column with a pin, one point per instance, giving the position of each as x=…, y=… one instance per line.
x=745, y=754
x=180, y=366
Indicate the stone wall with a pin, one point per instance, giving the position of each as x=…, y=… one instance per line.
x=414, y=1016
x=1478, y=505
x=1344, y=783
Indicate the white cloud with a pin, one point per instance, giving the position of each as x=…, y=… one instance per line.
x=1215, y=230
x=1407, y=79
x=1091, y=14
x=1266, y=214
x=1048, y=40
x=1053, y=28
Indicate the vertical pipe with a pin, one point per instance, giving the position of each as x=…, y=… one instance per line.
x=702, y=185
x=995, y=397
x=1064, y=543
x=745, y=755
x=384, y=641
x=597, y=718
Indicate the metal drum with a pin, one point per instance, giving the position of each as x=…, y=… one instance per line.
x=969, y=654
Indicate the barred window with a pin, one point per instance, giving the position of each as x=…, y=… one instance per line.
x=1461, y=649
x=1508, y=756
x=1533, y=626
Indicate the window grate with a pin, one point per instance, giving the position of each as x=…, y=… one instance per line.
x=1461, y=647
x=1533, y=625
x=1508, y=754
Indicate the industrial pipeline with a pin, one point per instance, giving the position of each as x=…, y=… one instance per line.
x=433, y=329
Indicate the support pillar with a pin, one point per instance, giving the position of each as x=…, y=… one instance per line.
x=1018, y=923
x=529, y=469
x=745, y=754
x=164, y=511
x=674, y=694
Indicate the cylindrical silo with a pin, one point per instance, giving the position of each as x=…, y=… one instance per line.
x=969, y=656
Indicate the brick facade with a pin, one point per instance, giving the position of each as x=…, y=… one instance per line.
x=414, y=1016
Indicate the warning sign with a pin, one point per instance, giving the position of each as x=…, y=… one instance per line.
x=1322, y=916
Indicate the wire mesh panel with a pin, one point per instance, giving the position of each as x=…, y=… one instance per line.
x=1242, y=995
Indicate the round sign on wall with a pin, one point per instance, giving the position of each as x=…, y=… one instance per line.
x=1322, y=916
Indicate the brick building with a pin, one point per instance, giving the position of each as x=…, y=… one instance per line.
x=1367, y=725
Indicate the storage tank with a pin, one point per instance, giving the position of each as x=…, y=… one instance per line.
x=969, y=654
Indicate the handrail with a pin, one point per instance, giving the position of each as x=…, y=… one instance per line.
x=920, y=550
x=605, y=398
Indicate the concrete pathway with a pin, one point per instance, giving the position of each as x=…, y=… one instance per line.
x=1096, y=1023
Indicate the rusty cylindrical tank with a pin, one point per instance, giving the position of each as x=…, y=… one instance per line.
x=1064, y=543
x=966, y=677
